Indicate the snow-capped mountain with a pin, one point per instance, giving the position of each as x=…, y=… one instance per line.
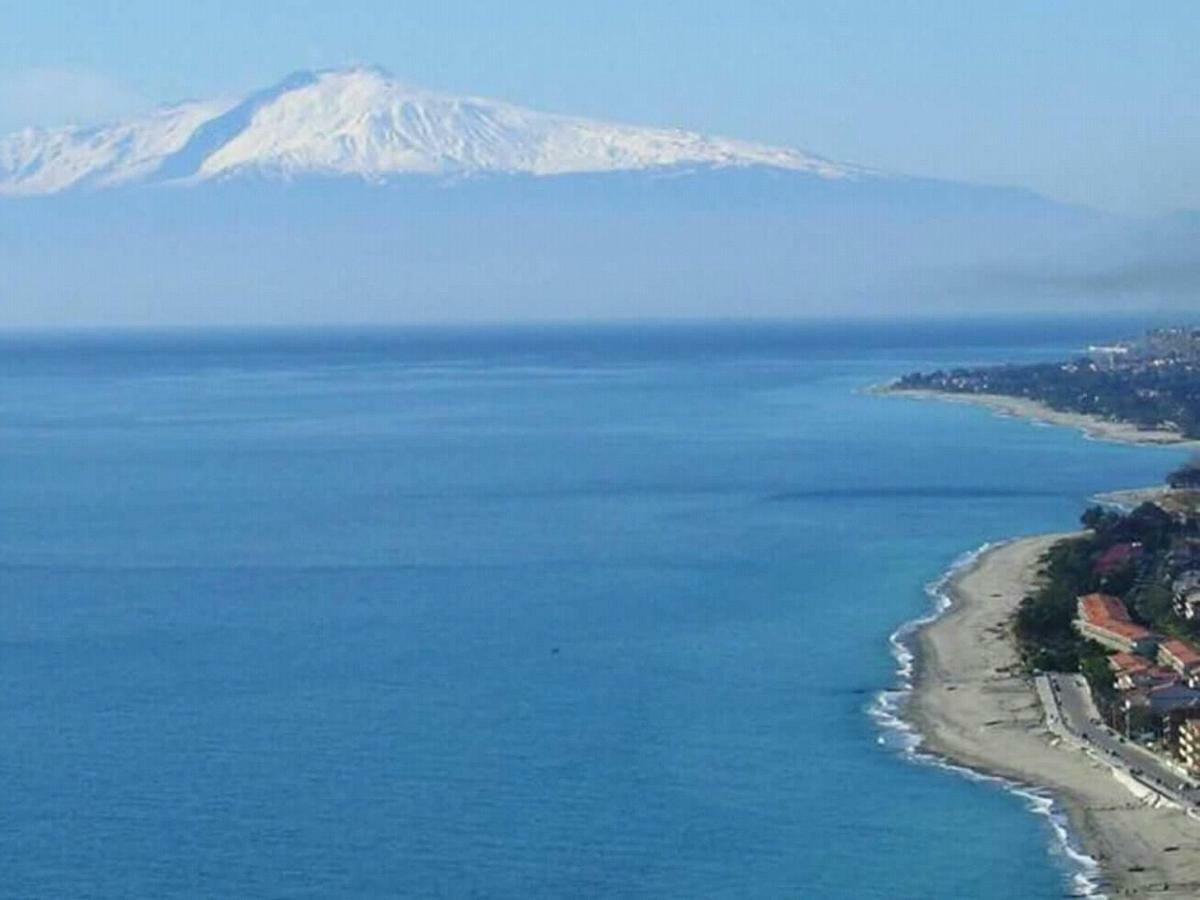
x=361, y=122
x=346, y=195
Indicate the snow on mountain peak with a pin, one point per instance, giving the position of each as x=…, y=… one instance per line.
x=361, y=122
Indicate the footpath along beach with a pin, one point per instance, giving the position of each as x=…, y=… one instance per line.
x=974, y=706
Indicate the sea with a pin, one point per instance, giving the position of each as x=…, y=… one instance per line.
x=508, y=612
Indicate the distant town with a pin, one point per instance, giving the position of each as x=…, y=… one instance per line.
x=1152, y=382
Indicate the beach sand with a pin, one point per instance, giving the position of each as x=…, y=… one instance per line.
x=1092, y=426
x=973, y=706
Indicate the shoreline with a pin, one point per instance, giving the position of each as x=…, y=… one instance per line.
x=1128, y=500
x=1092, y=427
x=971, y=706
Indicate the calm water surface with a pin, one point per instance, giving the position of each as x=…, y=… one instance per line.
x=509, y=614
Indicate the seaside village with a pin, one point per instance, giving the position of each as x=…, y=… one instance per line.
x=1151, y=691
x=1155, y=678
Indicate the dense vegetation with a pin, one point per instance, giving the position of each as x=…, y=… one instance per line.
x=1163, y=394
x=1045, y=634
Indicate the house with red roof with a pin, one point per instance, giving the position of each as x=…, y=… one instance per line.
x=1182, y=657
x=1131, y=672
x=1105, y=620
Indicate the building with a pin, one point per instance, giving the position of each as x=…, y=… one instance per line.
x=1167, y=707
x=1107, y=357
x=1189, y=745
x=1187, y=594
x=1187, y=605
x=1165, y=699
x=1128, y=664
x=1106, y=621
x=1132, y=672
x=1183, y=658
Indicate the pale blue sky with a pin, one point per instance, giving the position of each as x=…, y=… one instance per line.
x=1094, y=102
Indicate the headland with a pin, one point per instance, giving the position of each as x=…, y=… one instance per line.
x=974, y=704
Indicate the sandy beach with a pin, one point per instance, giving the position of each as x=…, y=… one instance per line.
x=973, y=706
x=1092, y=426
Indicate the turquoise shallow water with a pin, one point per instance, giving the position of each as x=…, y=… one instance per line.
x=505, y=613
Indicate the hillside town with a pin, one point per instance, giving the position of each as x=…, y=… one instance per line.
x=1133, y=628
x=1155, y=679
x=1152, y=382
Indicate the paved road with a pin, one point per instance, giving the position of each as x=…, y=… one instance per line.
x=1077, y=714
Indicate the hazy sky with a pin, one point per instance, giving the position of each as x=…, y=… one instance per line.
x=1094, y=102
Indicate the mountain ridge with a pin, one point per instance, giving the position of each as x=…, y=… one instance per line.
x=361, y=122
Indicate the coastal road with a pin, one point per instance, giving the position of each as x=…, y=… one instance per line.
x=1077, y=713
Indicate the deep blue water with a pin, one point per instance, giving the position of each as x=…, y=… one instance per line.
x=509, y=613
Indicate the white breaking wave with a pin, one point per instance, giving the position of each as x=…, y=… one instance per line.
x=364, y=123
x=887, y=709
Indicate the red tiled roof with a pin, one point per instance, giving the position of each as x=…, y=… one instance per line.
x=1128, y=663
x=1109, y=614
x=1127, y=630
x=1184, y=652
x=1099, y=607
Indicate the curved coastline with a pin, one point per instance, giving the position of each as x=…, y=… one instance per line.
x=963, y=703
x=1092, y=427
x=890, y=709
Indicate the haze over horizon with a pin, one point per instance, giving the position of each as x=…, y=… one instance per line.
x=774, y=162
